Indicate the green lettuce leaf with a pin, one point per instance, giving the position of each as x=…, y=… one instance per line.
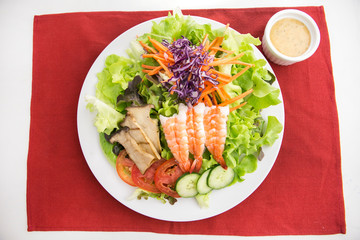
x=208, y=161
x=239, y=42
x=165, y=150
x=107, y=149
x=114, y=78
x=135, y=51
x=261, y=87
x=123, y=70
x=152, y=93
x=107, y=118
x=263, y=102
x=170, y=28
x=176, y=26
x=273, y=129
x=247, y=133
x=106, y=90
x=248, y=163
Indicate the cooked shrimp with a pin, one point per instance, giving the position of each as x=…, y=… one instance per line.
x=176, y=137
x=215, y=131
x=190, y=129
x=196, y=134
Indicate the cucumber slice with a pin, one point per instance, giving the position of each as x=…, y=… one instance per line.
x=186, y=185
x=202, y=185
x=219, y=177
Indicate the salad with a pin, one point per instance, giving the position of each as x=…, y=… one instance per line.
x=180, y=115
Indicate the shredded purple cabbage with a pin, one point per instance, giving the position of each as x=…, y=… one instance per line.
x=188, y=77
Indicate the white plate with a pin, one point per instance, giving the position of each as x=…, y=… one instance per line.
x=184, y=209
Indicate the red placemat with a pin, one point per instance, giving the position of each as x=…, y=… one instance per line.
x=301, y=195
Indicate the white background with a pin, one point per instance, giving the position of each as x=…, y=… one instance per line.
x=16, y=22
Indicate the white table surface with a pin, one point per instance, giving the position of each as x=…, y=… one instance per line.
x=16, y=22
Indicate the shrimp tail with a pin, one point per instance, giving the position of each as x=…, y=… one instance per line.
x=182, y=139
x=196, y=165
x=176, y=137
x=196, y=134
x=216, y=131
x=221, y=161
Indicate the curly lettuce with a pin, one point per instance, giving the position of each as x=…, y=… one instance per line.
x=107, y=118
x=247, y=134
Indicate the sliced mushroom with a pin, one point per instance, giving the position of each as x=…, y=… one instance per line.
x=138, y=135
x=142, y=159
x=149, y=126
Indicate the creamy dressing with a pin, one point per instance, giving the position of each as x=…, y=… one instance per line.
x=290, y=37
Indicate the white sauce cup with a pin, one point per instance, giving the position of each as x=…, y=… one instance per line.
x=277, y=57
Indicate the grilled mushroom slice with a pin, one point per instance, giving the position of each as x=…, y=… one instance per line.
x=142, y=159
x=140, y=115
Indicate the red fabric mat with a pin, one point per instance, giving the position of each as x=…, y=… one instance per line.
x=301, y=195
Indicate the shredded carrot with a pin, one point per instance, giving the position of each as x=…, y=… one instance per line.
x=208, y=84
x=169, y=57
x=150, y=55
x=221, y=95
x=216, y=44
x=243, y=63
x=211, y=44
x=172, y=91
x=155, y=70
x=224, y=75
x=206, y=46
x=227, y=54
x=238, y=106
x=239, y=62
x=214, y=98
x=147, y=47
x=205, y=39
x=163, y=59
x=208, y=100
x=157, y=45
x=244, y=94
x=168, y=73
x=189, y=77
x=146, y=70
x=223, y=79
x=156, y=57
x=225, y=60
x=148, y=66
x=221, y=49
x=226, y=95
x=219, y=41
x=205, y=68
x=239, y=73
x=207, y=91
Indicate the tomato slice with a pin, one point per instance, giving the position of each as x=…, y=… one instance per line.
x=146, y=181
x=166, y=176
x=123, y=168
